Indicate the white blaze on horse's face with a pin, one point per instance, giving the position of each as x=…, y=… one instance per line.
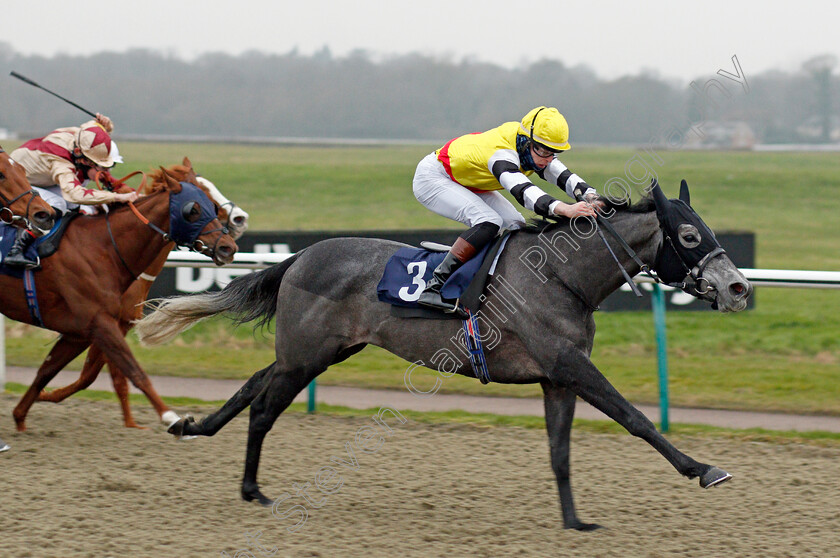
x=238, y=220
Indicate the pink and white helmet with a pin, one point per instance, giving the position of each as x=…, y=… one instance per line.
x=95, y=144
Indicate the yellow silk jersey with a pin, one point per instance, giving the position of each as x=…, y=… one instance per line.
x=489, y=161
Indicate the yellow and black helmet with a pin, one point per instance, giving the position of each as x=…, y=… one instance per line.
x=546, y=126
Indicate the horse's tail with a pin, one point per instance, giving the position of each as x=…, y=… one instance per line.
x=248, y=297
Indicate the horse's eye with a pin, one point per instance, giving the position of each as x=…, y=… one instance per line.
x=2, y=176
x=689, y=236
x=191, y=212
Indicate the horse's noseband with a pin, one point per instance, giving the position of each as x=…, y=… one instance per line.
x=701, y=284
x=697, y=271
x=7, y=206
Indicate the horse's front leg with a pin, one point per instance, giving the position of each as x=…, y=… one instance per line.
x=279, y=391
x=120, y=383
x=106, y=334
x=559, y=412
x=576, y=372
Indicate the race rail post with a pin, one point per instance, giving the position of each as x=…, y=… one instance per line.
x=658, y=303
x=310, y=402
x=2, y=353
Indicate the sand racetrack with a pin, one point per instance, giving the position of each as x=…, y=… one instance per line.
x=79, y=484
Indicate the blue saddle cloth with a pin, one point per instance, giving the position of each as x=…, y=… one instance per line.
x=43, y=246
x=409, y=269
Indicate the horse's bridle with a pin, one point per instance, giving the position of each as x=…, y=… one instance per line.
x=229, y=212
x=695, y=272
x=195, y=246
x=7, y=206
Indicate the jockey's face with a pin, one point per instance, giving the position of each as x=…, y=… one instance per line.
x=91, y=172
x=541, y=157
x=91, y=168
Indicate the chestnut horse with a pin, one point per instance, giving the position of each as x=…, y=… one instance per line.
x=80, y=287
x=236, y=221
x=19, y=203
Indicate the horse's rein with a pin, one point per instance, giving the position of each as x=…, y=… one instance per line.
x=122, y=181
x=695, y=273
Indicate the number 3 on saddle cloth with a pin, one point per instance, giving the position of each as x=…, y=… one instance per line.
x=407, y=273
x=40, y=248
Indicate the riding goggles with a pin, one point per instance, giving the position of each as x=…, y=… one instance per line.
x=541, y=150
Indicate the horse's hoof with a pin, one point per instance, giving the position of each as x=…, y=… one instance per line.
x=252, y=494
x=714, y=477
x=581, y=526
x=178, y=427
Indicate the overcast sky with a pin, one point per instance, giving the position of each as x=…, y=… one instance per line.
x=681, y=40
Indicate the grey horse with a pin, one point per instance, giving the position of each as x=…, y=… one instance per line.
x=537, y=317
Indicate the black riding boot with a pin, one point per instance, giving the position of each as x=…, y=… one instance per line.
x=17, y=254
x=461, y=252
x=431, y=294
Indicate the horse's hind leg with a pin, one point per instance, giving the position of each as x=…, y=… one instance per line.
x=575, y=371
x=280, y=391
x=60, y=355
x=93, y=364
x=559, y=412
x=214, y=422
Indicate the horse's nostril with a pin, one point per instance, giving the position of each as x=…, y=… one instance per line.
x=239, y=221
x=738, y=289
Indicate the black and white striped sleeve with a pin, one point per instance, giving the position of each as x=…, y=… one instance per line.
x=504, y=165
x=557, y=173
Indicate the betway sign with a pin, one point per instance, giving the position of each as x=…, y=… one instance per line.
x=740, y=246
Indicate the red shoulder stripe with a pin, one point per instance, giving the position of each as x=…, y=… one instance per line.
x=47, y=147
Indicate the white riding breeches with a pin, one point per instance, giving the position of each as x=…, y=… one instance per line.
x=437, y=191
x=52, y=195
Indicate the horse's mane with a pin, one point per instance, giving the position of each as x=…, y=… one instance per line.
x=157, y=182
x=644, y=205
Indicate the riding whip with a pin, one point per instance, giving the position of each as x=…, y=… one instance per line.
x=32, y=83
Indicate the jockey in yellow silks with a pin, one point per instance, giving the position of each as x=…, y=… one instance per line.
x=461, y=181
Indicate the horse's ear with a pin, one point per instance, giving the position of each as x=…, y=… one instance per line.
x=172, y=184
x=684, y=195
x=658, y=197
x=187, y=162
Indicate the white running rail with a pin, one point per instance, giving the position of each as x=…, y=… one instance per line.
x=787, y=278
